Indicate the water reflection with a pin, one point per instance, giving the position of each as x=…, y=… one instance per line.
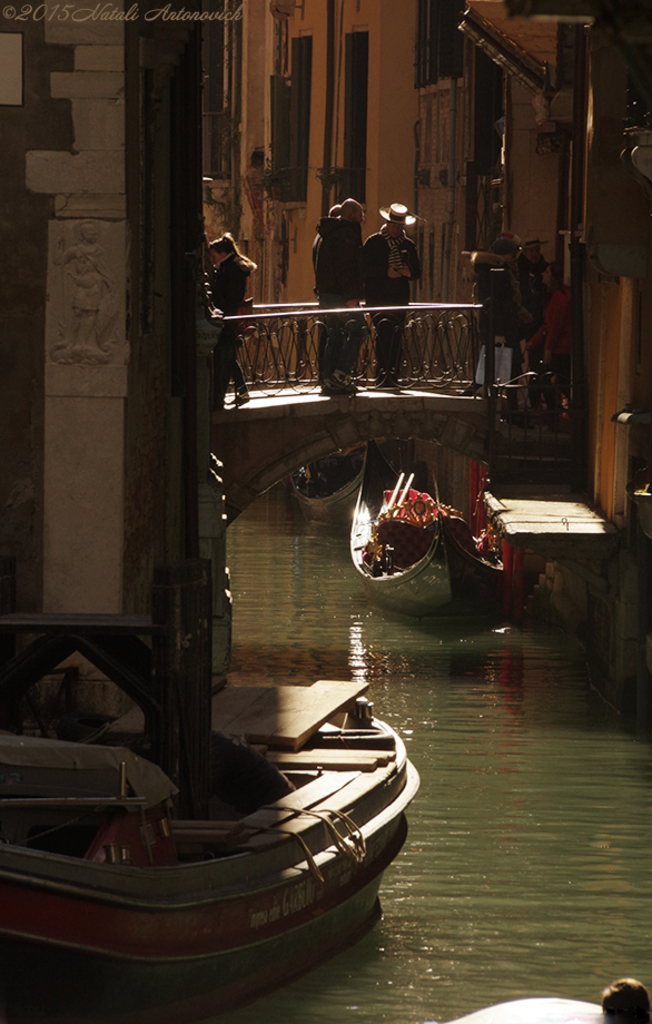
x=526, y=870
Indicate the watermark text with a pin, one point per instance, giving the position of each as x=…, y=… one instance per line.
x=107, y=11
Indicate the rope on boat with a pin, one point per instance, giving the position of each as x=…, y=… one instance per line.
x=351, y=845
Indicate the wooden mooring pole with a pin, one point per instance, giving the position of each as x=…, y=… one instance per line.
x=182, y=679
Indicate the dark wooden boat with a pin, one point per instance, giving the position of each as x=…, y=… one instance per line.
x=413, y=554
x=327, y=489
x=112, y=910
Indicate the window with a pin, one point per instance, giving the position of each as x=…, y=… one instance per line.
x=353, y=174
x=300, y=118
x=439, y=47
x=222, y=57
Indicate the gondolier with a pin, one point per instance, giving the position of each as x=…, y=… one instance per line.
x=391, y=263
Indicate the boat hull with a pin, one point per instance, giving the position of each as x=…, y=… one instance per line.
x=37, y=982
x=335, y=508
x=539, y=1010
x=80, y=948
x=420, y=591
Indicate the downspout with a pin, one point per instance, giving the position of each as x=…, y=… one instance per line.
x=579, y=419
x=417, y=161
x=328, y=112
x=450, y=199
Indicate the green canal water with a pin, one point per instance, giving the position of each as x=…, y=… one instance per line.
x=527, y=867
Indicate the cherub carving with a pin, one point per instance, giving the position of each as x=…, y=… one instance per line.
x=89, y=335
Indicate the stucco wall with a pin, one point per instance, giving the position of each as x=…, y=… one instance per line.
x=42, y=122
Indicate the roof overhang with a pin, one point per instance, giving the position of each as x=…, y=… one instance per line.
x=520, y=65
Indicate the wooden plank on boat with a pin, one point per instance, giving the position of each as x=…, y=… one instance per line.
x=185, y=831
x=360, y=760
x=313, y=793
x=282, y=716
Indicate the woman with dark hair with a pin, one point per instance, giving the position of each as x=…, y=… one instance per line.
x=556, y=332
x=230, y=270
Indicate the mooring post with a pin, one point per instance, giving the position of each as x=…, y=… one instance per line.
x=7, y=604
x=211, y=504
x=10, y=717
x=182, y=679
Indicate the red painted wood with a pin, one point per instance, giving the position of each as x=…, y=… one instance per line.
x=518, y=584
x=508, y=565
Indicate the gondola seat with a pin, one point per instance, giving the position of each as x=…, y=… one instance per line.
x=410, y=543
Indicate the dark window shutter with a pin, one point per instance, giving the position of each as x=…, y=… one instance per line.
x=355, y=115
x=300, y=116
x=280, y=100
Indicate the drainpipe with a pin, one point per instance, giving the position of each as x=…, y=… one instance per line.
x=577, y=263
x=450, y=199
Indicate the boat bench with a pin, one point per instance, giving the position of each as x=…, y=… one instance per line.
x=410, y=543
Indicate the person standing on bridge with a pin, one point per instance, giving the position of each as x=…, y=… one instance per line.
x=391, y=262
x=339, y=283
x=228, y=281
x=497, y=288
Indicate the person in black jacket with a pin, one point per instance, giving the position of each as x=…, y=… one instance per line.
x=228, y=283
x=496, y=274
x=339, y=283
x=390, y=262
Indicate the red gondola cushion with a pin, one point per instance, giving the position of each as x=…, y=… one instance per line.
x=410, y=543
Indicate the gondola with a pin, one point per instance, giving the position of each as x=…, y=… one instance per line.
x=327, y=489
x=114, y=911
x=413, y=554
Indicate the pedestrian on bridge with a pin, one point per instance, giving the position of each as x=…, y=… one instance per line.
x=497, y=288
x=228, y=283
x=391, y=262
x=338, y=284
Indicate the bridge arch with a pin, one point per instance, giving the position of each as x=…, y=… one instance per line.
x=261, y=443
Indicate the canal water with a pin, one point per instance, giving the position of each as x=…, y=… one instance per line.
x=527, y=867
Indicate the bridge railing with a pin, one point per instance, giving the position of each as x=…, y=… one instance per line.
x=433, y=347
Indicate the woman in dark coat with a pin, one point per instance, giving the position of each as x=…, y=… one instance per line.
x=229, y=280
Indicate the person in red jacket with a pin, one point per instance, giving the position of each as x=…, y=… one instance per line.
x=556, y=334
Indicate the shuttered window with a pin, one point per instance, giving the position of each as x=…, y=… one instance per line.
x=439, y=45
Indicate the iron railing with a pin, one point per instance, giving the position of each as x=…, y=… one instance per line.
x=530, y=421
x=282, y=347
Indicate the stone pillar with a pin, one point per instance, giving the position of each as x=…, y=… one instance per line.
x=212, y=513
x=86, y=349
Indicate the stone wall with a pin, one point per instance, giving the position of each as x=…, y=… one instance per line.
x=43, y=121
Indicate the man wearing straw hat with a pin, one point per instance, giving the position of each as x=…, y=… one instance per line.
x=390, y=261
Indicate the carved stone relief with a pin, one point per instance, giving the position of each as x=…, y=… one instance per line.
x=83, y=291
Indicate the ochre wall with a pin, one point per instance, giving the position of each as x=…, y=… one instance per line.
x=391, y=113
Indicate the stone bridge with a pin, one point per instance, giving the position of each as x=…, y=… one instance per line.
x=270, y=437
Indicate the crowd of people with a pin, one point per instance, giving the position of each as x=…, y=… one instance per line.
x=525, y=304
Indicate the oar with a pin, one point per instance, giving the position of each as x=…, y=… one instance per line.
x=396, y=490
x=407, y=489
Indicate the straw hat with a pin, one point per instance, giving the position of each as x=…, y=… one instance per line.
x=397, y=214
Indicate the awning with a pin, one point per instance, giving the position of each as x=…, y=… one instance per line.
x=516, y=62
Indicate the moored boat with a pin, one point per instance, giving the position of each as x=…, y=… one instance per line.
x=415, y=555
x=327, y=489
x=540, y=1010
x=112, y=910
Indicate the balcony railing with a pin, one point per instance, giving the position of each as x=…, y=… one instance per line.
x=435, y=346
